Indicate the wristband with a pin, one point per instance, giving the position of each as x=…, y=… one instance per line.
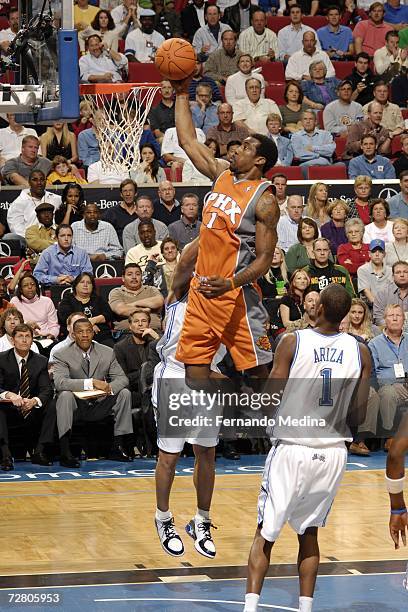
x=400, y=511
x=394, y=485
x=232, y=283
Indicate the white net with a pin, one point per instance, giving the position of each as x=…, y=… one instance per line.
x=119, y=119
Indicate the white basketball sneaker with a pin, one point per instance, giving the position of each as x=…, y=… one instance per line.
x=200, y=531
x=169, y=538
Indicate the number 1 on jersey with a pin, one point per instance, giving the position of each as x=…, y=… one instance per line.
x=326, y=399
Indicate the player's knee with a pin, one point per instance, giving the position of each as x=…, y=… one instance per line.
x=204, y=453
x=167, y=461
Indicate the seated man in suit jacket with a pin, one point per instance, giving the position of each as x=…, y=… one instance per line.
x=87, y=366
x=26, y=394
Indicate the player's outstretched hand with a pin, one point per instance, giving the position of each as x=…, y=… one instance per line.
x=181, y=86
x=398, y=527
x=214, y=286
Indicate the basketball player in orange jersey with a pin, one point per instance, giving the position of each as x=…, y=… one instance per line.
x=235, y=247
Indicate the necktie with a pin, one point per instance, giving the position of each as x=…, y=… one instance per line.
x=24, y=382
x=86, y=365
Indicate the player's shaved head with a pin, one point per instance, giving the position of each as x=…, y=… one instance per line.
x=267, y=149
x=336, y=303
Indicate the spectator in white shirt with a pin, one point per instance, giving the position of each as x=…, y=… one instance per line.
x=171, y=151
x=11, y=139
x=235, y=84
x=298, y=64
x=389, y=60
x=258, y=40
x=98, y=238
x=254, y=110
x=7, y=35
x=21, y=213
x=98, y=173
x=101, y=65
x=208, y=38
x=126, y=14
x=290, y=38
x=141, y=44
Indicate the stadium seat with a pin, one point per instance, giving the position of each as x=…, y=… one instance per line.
x=275, y=93
x=338, y=172
x=222, y=91
x=105, y=285
x=404, y=112
x=315, y=22
x=343, y=69
x=320, y=119
x=277, y=23
x=4, y=24
x=170, y=174
x=395, y=145
x=6, y=266
x=143, y=73
x=340, y=146
x=121, y=45
x=292, y=173
x=273, y=72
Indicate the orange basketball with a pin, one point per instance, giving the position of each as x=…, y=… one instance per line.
x=175, y=59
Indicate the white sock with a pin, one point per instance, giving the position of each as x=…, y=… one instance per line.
x=163, y=516
x=251, y=602
x=305, y=604
x=202, y=514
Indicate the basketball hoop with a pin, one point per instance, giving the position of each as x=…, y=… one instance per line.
x=119, y=112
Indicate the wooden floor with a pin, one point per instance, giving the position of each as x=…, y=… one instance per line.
x=80, y=526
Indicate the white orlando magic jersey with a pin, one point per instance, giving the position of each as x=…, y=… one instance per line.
x=323, y=377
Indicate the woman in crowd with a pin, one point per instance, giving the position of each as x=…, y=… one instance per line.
x=273, y=286
x=61, y=172
x=58, y=140
x=353, y=253
x=190, y=172
x=84, y=298
x=104, y=26
x=292, y=111
x=319, y=90
x=300, y=254
x=291, y=306
x=8, y=321
x=149, y=170
x=161, y=276
x=360, y=206
x=72, y=205
x=317, y=203
x=333, y=230
x=379, y=227
x=397, y=250
x=360, y=323
x=83, y=123
x=38, y=310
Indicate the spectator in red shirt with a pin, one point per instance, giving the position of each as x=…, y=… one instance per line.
x=353, y=253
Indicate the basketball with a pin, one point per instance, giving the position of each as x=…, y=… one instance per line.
x=175, y=59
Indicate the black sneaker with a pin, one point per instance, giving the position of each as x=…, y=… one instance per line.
x=169, y=538
x=201, y=534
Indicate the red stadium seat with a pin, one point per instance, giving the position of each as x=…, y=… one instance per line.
x=315, y=22
x=143, y=73
x=273, y=72
x=340, y=146
x=343, y=69
x=292, y=173
x=275, y=93
x=170, y=174
x=404, y=112
x=222, y=91
x=277, y=23
x=320, y=119
x=4, y=24
x=337, y=173
x=121, y=45
x=395, y=145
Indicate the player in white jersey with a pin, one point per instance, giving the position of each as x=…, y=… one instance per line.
x=306, y=463
x=166, y=375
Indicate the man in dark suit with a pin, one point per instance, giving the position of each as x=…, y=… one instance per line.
x=189, y=18
x=88, y=366
x=26, y=394
x=232, y=15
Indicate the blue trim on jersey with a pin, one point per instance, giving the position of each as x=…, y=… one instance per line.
x=327, y=514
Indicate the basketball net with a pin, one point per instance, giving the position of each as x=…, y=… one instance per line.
x=119, y=118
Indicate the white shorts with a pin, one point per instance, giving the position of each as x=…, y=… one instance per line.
x=176, y=445
x=299, y=484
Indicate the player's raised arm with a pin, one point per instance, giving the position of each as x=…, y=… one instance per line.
x=395, y=478
x=198, y=153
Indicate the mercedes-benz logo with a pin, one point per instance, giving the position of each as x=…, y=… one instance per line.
x=387, y=193
x=5, y=250
x=67, y=290
x=7, y=271
x=105, y=271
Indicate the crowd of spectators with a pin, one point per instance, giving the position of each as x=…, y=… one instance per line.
x=324, y=116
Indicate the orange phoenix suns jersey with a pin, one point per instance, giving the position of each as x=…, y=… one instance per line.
x=227, y=233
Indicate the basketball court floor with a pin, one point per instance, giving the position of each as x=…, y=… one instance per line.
x=84, y=540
